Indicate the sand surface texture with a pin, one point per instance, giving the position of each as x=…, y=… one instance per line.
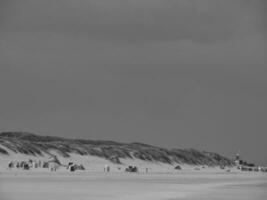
x=17, y=185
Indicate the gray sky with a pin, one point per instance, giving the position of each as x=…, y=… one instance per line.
x=171, y=73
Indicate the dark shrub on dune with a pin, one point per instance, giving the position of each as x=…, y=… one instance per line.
x=3, y=151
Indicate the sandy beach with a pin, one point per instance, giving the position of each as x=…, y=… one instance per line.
x=162, y=182
x=188, y=184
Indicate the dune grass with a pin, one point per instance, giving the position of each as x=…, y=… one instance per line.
x=37, y=145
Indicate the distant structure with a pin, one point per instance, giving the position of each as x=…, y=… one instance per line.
x=237, y=160
x=246, y=166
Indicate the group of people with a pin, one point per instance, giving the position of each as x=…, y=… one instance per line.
x=254, y=169
x=73, y=167
x=53, y=164
x=26, y=165
x=127, y=169
x=133, y=169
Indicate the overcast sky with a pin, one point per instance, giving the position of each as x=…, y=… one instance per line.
x=188, y=73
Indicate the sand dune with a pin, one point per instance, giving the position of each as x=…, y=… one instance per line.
x=37, y=145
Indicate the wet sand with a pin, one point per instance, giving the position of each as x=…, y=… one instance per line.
x=208, y=185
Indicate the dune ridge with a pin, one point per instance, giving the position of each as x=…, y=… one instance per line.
x=115, y=152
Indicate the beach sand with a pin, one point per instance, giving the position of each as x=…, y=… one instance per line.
x=97, y=185
x=161, y=183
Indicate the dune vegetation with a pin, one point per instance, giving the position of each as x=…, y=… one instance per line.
x=37, y=145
